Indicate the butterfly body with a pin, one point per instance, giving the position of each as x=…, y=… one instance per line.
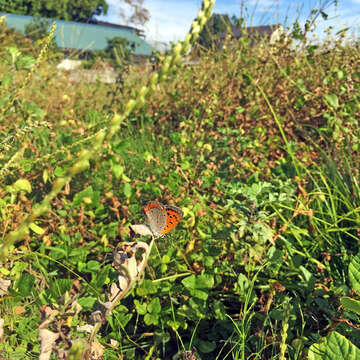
x=162, y=218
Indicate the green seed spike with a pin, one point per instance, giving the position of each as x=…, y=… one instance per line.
x=82, y=161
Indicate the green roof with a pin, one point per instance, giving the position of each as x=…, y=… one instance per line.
x=82, y=36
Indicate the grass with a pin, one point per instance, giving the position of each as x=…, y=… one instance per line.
x=257, y=149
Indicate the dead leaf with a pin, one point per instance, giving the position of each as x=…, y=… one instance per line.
x=97, y=350
x=19, y=310
x=4, y=285
x=113, y=342
x=97, y=316
x=141, y=229
x=88, y=328
x=47, y=339
x=114, y=291
x=123, y=282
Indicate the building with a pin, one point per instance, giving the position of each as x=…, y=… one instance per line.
x=81, y=36
x=255, y=33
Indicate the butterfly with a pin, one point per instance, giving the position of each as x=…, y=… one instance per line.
x=162, y=218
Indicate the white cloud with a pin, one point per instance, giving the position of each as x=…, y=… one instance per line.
x=171, y=19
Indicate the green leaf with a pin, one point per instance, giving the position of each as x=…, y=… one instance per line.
x=154, y=307
x=334, y=347
x=207, y=346
x=4, y=100
x=87, y=302
x=174, y=324
x=147, y=156
x=189, y=282
x=199, y=294
x=354, y=273
x=147, y=287
x=77, y=255
x=140, y=307
x=13, y=51
x=122, y=318
x=25, y=284
x=350, y=304
x=278, y=314
x=101, y=277
x=93, y=266
x=125, y=178
x=332, y=100
x=62, y=213
x=4, y=271
x=36, y=229
x=6, y=80
x=59, y=171
x=209, y=261
x=27, y=62
x=205, y=281
x=117, y=170
x=149, y=319
x=127, y=190
x=18, y=268
x=300, y=85
x=308, y=276
x=60, y=286
x=275, y=256
x=22, y=185
x=165, y=259
x=88, y=196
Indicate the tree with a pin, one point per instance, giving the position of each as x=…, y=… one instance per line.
x=132, y=11
x=119, y=49
x=139, y=14
x=237, y=22
x=217, y=24
x=37, y=29
x=55, y=9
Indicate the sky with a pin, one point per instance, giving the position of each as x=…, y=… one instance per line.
x=170, y=20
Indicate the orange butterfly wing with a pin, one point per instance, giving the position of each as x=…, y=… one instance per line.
x=173, y=217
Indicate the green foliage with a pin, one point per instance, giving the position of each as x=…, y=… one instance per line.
x=17, y=61
x=260, y=153
x=350, y=304
x=38, y=29
x=334, y=347
x=217, y=24
x=64, y=10
x=354, y=273
x=117, y=52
